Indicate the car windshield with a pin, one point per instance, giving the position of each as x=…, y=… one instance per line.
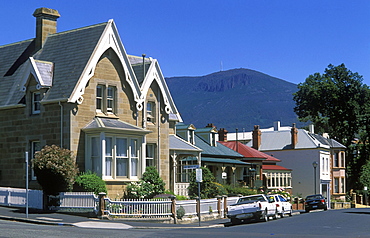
x=251, y=198
x=313, y=197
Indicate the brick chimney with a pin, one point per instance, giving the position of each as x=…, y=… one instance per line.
x=222, y=134
x=294, y=133
x=256, y=137
x=46, y=23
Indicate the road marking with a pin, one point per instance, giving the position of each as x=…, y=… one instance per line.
x=49, y=219
x=102, y=225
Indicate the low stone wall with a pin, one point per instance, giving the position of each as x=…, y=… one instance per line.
x=340, y=205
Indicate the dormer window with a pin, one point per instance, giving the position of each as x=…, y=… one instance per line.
x=191, y=137
x=36, y=98
x=150, y=112
x=105, y=99
x=213, y=139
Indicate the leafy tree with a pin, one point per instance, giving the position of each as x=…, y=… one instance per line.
x=150, y=185
x=365, y=175
x=90, y=182
x=336, y=102
x=55, y=169
x=208, y=188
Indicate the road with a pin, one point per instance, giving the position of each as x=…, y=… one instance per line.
x=332, y=223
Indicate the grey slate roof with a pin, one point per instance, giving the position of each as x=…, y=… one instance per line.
x=176, y=143
x=281, y=140
x=9, y=85
x=69, y=51
x=215, y=151
x=109, y=123
x=46, y=72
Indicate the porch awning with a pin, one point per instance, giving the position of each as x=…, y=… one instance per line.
x=219, y=160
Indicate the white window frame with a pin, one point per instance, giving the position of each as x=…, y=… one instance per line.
x=106, y=100
x=150, y=155
x=150, y=111
x=36, y=103
x=107, y=165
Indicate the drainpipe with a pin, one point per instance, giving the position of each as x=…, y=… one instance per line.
x=61, y=124
x=158, y=128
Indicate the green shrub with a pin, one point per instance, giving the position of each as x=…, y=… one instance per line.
x=208, y=188
x=55, y=169
x=180, y=212
x=236, y=190
x=150, y=185
x=90, y=182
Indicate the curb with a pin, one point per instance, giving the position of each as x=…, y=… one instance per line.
x=27, y=220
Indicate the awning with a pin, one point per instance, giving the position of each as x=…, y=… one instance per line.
x=219, y=160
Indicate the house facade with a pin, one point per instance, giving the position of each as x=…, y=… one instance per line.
x=225, y=164
x=264, y=171
x=310, y=156
x=80, y=90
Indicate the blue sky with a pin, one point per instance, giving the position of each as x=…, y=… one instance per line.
x=287, y=39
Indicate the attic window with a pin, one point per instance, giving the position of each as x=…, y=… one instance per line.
x=105, y=99
x=150, y=112
x=36, y=98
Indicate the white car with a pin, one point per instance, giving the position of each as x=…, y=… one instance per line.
x=282, y=205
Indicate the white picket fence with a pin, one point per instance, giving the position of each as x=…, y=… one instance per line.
x=139, y=208
x=73, y=200
x=207, y=206
x=16, y=197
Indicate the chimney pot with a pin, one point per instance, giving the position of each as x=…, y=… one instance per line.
x=46, y=23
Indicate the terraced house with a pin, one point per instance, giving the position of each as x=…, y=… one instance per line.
x=80, y=90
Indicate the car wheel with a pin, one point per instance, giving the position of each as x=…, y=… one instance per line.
x=264, y=216
x=235, y=221
x=282, y=213
x=307, y=210
x=291, y=211
x=275, y=215
x=325, y=208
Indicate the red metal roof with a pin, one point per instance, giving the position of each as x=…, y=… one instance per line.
x=248, y=152
x=274, y=167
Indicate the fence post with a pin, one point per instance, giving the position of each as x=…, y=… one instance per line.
x=173, y=208
x=225, y=205
x=219, y=205
x=101, y=205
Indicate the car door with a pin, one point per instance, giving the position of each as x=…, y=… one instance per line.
x=284, y=203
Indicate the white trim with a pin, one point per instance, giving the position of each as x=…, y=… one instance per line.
x=109, y=39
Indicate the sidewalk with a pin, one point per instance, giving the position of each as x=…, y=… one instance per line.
x=83, y=220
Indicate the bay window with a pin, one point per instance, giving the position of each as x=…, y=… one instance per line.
x=114, y=156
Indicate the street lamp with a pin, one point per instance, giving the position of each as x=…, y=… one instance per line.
x=314, y=164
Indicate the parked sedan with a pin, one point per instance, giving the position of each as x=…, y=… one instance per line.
x=313, y=202
x=282, y=205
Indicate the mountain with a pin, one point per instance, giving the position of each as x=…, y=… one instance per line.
x=237, y=98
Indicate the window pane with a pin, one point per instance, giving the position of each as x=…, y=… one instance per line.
x=134, y=163
x=122, y=147
x=99, y=97
x=133, y=148
x=108, y=146
x=110, y=99
x=121, y=167
x=108, y=166
x=94, y=146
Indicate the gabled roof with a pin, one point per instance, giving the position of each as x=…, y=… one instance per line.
x=248, y=152
x=215, y=151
